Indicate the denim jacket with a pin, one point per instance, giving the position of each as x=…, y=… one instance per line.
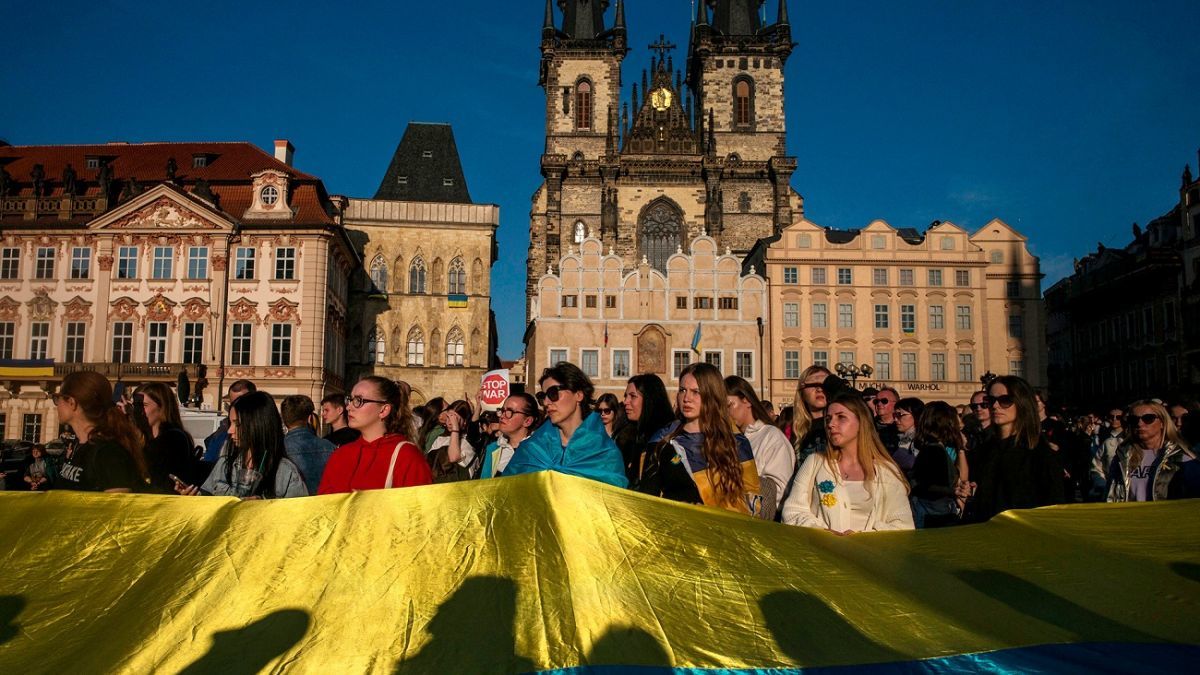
x=310, y=454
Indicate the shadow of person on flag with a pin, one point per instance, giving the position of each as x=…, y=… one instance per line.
x=1189, y=571
x=473, y=631
x=252, y=648
x=809, y=631
x=10, y=608
x=627, y=646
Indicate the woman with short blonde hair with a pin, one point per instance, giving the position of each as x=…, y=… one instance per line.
x=1151, y=465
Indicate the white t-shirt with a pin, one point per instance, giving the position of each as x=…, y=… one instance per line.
x=861, y=503
x=1140, y=489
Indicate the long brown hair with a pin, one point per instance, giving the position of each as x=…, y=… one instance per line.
x=1027, y=427
x=739, y=387
x=166, y=400
x=719, y=446
x=871, y=453
x=400, y=419
x=93, y=394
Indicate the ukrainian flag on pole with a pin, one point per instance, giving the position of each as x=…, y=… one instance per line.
x=696, y=339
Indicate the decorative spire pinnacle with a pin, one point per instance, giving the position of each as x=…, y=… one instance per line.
x=548, y=21
x=620, y=22
x=701, y=13
x=782, y=14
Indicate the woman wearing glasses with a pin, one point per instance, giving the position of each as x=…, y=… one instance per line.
x=575, y=441
x=907, y=412
x=611, y=413
x=1014, y=467
x=1155, y=463
x=808, y=424
x=383, y=456
x=519, y=416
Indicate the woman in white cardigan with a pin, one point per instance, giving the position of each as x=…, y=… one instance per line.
x=853, y=485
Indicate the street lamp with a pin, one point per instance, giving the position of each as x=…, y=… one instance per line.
x=987, y=378
x=853, y=372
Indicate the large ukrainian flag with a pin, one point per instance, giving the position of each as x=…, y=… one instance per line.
x=547, y=572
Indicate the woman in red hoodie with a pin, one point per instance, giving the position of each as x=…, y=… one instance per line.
x=382, y=457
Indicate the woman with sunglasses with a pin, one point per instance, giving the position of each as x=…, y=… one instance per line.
x=575, y=441
x=702, y=459
x=852, y=485
x=808, y=425
x=1153, y=464
x=611, y=413
x=383, y=456
x=254, y=464
x=108, y=456
x=907, y=412
x=519, y=416
x=1014, y=467
x=169, y=448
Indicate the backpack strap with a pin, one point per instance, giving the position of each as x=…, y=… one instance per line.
x=392, y=465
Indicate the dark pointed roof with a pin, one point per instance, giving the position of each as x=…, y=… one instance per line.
x=425, y=167
x=583, y=19
x=736, y=17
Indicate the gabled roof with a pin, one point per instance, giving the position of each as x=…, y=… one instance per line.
x=424, y=161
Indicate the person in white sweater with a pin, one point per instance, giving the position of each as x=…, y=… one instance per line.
x=853, y=485
x=773, y=453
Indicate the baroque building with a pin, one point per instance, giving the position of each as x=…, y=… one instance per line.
x=615, y=320
x=143, y=260
x=929, y=312
x=693, y=152
x=422, y=310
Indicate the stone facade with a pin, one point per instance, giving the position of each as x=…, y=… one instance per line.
x=406, y=326
x=139, y=274
x=614, y=320
x=929, y=312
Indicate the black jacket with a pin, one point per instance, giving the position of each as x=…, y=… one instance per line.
x=1010, y=476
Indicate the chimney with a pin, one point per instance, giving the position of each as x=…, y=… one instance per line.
x=284, y=150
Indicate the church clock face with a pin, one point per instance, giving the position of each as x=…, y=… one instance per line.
x=660, y=98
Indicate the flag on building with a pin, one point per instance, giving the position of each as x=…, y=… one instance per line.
x=457, y=300
x=605, y=334
x=696, y=340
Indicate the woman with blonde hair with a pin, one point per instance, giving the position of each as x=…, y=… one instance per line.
x=700, y=458
x=1152, y=465
x=808, y=413
x=853, y=485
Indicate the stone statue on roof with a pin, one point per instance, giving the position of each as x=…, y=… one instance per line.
x=172, y=167
x=5, y=180
x=39, y=180
x=68, y=178
x=105, y=179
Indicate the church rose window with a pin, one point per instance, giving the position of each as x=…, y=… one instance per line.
x=660, y=234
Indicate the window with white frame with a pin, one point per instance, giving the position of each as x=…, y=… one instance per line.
x=845, y=276
x=281, y=344
x=791, y=364
x=846, y=357
x=10, y=264
x=45, y=263
x=713, y=358
x=455, y=347
x=908, y=318
x=820, y=358
x=557, y=356
x=791, y=314
x=127, y=262
x=818, y=276
x=845, y=315
x=1016, y=326
x=31, y=430
x=883, y=365
x=908, y=365
x=962, y=277
x=81, y=263
x=73, y=348
x=907, y=277
x=39, y=340
x=680, y=359
x=242, y=342
x=193, y=342
x=620, y=364
x=1016, y=367
x=285, y=264
x=882, y=316
x=8, y=337
x=935, y=277
x=589, y=362
x=122, y=342
x=879, y=276
x=243, y=263
x=197, y=262
x=962, y=317
x=937, y=317
x=820, y=315
x=966, y=367
x=791, y=275
x=156, y=342
x=937, y=366
x=164, y=256
x=744, y=365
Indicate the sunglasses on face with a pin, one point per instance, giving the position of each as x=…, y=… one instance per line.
x=1004, y=401
x=552, y=393
x=604, y=411
x=358, y=401
x=979, y=406
x=507, y=413
x=811, y=385
x=881, y=401
x=1147, y=419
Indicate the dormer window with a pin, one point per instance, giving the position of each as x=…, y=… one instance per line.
x=93, y=163
x=426, y=154
x=199, y=161
x=447, y=182
x=269, y=195
x=402, y=180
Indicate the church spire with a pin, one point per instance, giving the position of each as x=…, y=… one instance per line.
x=548, y=21
x=583, y=19
x=737, y=17
x=620, y=22
x=782, y=18
x=701, y=13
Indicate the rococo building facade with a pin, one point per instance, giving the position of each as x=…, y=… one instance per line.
x=142, y=261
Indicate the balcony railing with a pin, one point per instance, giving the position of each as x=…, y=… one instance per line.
x=132, y=371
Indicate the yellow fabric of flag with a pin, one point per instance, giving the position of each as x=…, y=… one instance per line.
x=547, y=571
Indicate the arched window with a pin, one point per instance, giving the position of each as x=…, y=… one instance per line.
x=580, y=231
x=743, y=102
x=371, y=346
x=416, y=347
x=660, y=233
x=458, y=277
x=379, y=274
x=454, y=347
x=583, y=105
x=416, y=276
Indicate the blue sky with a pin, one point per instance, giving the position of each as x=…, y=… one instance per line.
x=1068, y=119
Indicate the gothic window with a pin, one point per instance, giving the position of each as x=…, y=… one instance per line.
x=416, y=276
x=661, y=228
x=583, y=105
x=458, y=277
x=379, y=274
x=416, y=347
x=454, y=347
x=743, y=102
x=744, y=202
x=580, y=231
x=376, y=347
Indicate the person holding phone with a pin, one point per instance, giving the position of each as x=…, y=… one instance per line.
x=254, y=464
x=169, y=448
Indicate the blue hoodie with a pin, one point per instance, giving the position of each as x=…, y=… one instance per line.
x=589, y=453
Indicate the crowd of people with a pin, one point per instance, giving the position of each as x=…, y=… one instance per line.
x=840, y=459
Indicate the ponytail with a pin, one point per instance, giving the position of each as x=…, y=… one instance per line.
x=400, y=420
x=116, y=427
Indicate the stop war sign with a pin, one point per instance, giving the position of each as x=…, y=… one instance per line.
x=494, y=389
